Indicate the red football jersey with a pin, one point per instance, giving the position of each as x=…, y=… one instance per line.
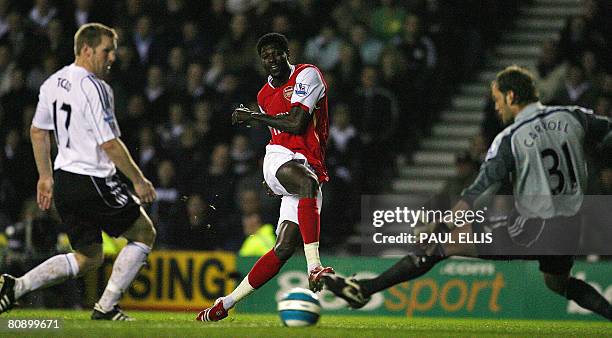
x=307, y=89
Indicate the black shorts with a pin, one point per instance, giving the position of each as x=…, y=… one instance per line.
x=553, y=243
x=88, y=205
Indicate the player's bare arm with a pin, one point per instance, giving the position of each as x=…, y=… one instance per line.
x=41, y=145
x=118, y=153
x=295, y=122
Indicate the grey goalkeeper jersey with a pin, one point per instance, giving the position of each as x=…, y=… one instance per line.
x=543, y=153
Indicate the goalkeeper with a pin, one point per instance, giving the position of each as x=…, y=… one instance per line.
x=542, y=152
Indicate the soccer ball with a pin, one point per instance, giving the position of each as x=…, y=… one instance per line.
x=299, y=307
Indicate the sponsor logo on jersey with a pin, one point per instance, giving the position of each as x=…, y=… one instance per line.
x=287, y=92
x=301, y=89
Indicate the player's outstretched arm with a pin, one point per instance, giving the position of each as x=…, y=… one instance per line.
x=41, y=145
x=118, y=153
x=294, y=122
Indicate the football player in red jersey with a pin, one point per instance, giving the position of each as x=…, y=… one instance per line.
x=293, y=104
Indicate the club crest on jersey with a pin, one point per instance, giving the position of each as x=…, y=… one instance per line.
x=301, y=89
x=287, y=92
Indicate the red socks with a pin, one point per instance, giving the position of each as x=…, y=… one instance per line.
x=264, y=269
x=308, y=218
x=268, y=265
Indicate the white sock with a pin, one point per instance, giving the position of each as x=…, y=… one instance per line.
x=244, y=289
x=311, y=251
x=129, y=261
x=52, y=271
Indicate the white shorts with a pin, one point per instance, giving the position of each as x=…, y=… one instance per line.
x=276, y=156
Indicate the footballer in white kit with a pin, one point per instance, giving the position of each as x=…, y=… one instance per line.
x=77, y=106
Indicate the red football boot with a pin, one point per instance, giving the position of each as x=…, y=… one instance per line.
x=315, y=283
x=214, y=313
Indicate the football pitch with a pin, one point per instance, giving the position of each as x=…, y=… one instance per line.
x=180, y=324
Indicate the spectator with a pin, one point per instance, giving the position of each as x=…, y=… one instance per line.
x=393, y=76
x=248, y=201
x=198, y=232
x=174, y=13
x=374, y=108
x=343, y=150
x=376, y=112
x=191, y=154
x=237, y=7
x=216, y=71
x=216, y=21
x=203, y=124
x=177, y=69
x=346, y=71
x=577, y=90
x=590, y=64
x=129, y=74
x=295, y=51
x=238, y=45
x=165, y=209
x=171, y=131
x=417, y=47
x=40, y=73
x=130, y=11
x=193, y=43
x=344, y=165
x=155, y=92
x=81, y=12
x=350, y=13
x=324, y=49
x=260, y=238
x=146, y=42
x=253, y=197
x=41, y=15
x=134, y=118
x=603, y=106
x=282, y=24
x=549, y=71
x=4, y=11
x=368, y=48
x=309, y=13
x=420, y=56
x=387, y=19
x=577, y=36
x=21, y=41
x=57, y=43
x=231, y=94
x=216, y=185
x=195, y=84
x=242, y=156
x=145, y=152
x=7, y=67
x=15, y=99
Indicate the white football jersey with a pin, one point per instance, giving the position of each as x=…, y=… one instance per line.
x=80, y=109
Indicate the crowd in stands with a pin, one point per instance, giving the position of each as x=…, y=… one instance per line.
x=184, y=65
x=575, y=69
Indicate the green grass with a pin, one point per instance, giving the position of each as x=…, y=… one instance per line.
x=176, y=324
